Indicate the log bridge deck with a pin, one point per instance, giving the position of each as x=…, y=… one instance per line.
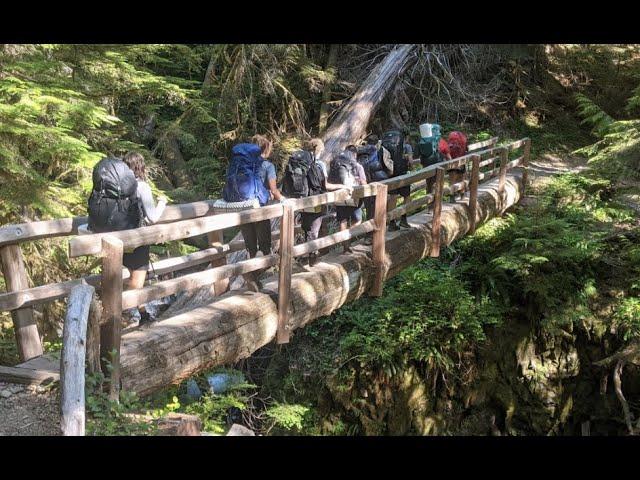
x=236, y=323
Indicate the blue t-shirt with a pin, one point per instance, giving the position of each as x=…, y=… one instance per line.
x=267, y=172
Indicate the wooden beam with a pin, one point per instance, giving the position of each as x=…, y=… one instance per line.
x=412, y=206
x=216, y=240
x=60, y=227
x=112, y=309
x=72, y=360
x=481, y=145
x=379, y=239
x=15, y=277
x=27, y=376
x=504, y=159
x=154, y=234
x=489, y=161
x=93, y=335
x=333, y=239
x=437, y=211
x=525, y=164
x=284, y=275
x=134, y=298
x=473, y=193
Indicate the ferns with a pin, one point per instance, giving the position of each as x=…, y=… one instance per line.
x=593, y=115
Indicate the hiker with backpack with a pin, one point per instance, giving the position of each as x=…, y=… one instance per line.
x=345, y=170
x=121, y=199
x=306, y=175
x=456, y=147
x=394, y=142
x=251, y=183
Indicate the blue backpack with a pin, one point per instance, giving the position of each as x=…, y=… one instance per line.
x=243, y=175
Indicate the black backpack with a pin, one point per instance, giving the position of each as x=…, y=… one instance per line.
x=295, y=183
x=114, y=204
x=315, y=178
x=371, y=160
x=343, y=169
x=393, y=140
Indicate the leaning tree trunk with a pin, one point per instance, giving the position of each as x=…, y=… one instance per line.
x=349, y=125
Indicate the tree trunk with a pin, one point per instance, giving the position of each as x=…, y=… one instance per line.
x=351, y=122
x=326, y=91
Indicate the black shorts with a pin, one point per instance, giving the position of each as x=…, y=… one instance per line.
x=138, y=259
x=348, y=213
x=402, y=191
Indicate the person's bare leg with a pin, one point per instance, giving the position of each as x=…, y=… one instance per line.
x=344, y=224
x=403, y=220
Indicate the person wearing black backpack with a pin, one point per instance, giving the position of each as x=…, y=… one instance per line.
x=346, y=170
x=393, y=141
x=121, y=199
x=306, y=175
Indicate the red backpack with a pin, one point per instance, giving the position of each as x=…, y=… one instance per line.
x=457, y=144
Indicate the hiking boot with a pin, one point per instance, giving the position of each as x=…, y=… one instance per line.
x=368, y=241
x=393, y=227
x=313, y=259
x=404, y=223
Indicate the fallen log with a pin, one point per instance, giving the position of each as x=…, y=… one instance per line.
x=232, y=327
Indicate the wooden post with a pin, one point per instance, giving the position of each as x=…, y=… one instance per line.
x=504, y=159
x=287, y=232
x=93, y=336
x=26, y=329
x=72, y=360
x=112, y=250
x=378, y=248
x=437, y=210
x=473, y=192
x=216, y=240
x=525, y=164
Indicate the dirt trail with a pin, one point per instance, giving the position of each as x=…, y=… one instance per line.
x=28, y=410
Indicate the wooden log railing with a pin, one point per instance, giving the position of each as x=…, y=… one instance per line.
x=184, y=221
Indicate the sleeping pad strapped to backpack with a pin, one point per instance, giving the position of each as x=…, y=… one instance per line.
x=303, y=177
x=243, y=175
x=113, y=203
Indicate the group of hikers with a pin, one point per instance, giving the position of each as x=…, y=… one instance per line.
x=122, y=199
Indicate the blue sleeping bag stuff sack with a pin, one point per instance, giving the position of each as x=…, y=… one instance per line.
x=243, y=175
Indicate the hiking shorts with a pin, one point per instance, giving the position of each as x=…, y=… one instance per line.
x=349, y=213
x=138, y=259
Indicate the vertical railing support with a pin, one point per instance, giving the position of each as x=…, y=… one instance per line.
x=525, y=164
x=504, y=159
x=473, y=192
x=26, y=329
x=379, y=240
x=216, y=240
x=111, y=332
x=437, y=210
x=287, y=232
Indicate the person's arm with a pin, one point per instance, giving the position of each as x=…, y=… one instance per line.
x=362, y=176
x=151, y=211
x=271, y=180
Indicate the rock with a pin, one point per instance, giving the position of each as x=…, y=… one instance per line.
x=238, y=430
x=179, y=425
x=16, y=389
x=5, y=393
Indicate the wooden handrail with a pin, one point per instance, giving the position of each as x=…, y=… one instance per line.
x=24, y=232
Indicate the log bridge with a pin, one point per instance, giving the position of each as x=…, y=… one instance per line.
x=236, y=323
